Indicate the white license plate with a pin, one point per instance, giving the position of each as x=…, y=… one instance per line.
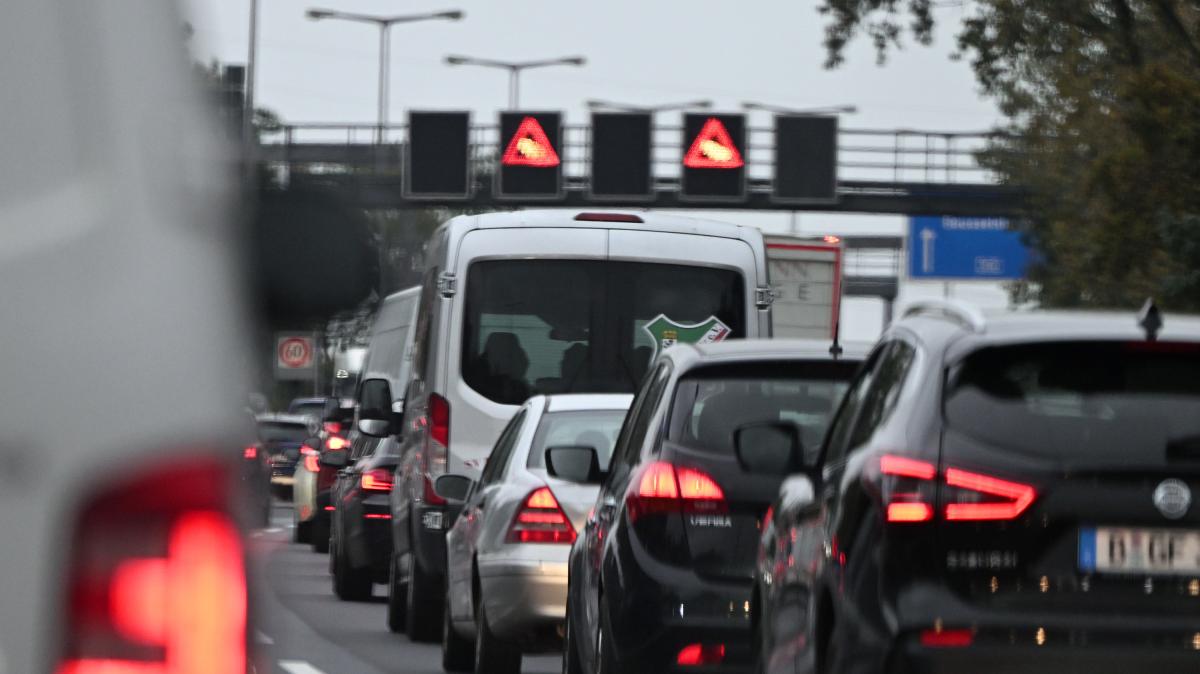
x=1140, y=551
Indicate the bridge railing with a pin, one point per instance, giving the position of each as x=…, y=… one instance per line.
x=864, y=155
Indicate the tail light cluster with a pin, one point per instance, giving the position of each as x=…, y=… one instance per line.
x=336, y=442
x=662, y=487
x=250, y=452
x=332, y=427
x=156, y=578
x=541, y=520
x=312, y=462
x=437, y=444
x=910, y=490
x=377, y=479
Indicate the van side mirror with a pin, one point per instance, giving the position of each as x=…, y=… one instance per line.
x=453, y=488
x=769, y=447
x=574, y=464
x=375, y=416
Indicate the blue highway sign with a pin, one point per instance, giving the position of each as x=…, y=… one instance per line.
x=975, y=249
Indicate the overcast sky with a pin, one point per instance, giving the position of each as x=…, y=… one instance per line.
x=639, y=51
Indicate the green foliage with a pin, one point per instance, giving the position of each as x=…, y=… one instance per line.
x=1102, y=100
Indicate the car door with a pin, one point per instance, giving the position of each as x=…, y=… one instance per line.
x=461, y=540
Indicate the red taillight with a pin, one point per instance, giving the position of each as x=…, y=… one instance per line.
x=541, y=520
x=947, y=638
x=312, y=461
x=439, y=420
x=377, y=479
x=433, y=460
x=699, y=655
x=1018, y=497
x=663, y=488
x=332, y=427
x=156, y=579
x=336, y=442
x=250, y=452
x=909, y=491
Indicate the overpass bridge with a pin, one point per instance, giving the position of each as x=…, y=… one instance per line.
x=899, y=171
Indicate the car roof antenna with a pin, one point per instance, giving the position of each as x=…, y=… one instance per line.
x=1150, y=319
x=835, y=349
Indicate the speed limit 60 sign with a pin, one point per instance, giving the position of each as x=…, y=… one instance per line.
x=295, y=356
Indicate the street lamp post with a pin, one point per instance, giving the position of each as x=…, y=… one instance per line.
x=514, y=69
x=384, y=23
x=597, y=104
x=784, y=110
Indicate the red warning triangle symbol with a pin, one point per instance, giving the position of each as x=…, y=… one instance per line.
x=530, y=147
x=713, y=148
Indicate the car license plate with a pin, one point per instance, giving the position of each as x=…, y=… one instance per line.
x=1139, y=551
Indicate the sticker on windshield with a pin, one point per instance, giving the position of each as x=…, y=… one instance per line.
x=667, y=333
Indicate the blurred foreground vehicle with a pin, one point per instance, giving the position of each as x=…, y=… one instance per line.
x=522, y=303
x=506, y=554
x=660, y=577
x=256, y=476
x=122, y=544
x=998, y=495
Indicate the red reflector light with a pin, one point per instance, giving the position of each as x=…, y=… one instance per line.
x=698, y=655
x=331, y=507
x=608, y=217
x=909, y=512
x=156, y=580
x=378, y=516
x=250, y=453
x=377, y=479
x=336, y=442
x=541, y=520
x=1020, y=497
x=947, y=638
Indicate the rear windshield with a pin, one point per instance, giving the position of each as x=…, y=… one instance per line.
x=591, y=428
x=712, y=403
x=282, y=432
x=580, y=326
x=1101, y=400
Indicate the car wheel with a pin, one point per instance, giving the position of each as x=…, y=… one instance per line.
x=458, y=653
x=492, y=656
x=397, y=598
x=570, y=651
x=348, y=584
x=320, y=534
x=424, y=604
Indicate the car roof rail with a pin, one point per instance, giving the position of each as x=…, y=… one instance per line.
x=966, y=315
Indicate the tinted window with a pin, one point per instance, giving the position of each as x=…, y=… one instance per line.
x=712, y=403
x=281, y=432
x=633, y=430
x=556, y=326
x=884, y=392
x=1100, y=401
x=493, y=470
x=591, y=428
x=843, y=422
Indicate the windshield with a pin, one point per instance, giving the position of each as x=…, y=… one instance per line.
x=1094, y=401
x=592, y=428
x=572, y=326
x=712, y=403
x=282, y=432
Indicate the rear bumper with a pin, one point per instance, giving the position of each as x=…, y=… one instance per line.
x=1050, y=658
x=369, y=536
x=525, y=599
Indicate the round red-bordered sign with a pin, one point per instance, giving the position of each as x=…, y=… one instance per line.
x=295, y=353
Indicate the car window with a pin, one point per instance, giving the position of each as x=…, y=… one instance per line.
x=494, y=470
x=885, y=390
x=585, y=428
x=270, y=431
x=839, y=430
x=624, y=451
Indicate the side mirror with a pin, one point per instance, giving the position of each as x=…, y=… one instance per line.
x=337, y=459
x=769, y=447
x=453, y=488
x=574, y=464
x=375, y=408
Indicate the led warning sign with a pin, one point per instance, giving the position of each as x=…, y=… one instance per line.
x=713, y=148
x=530, y=147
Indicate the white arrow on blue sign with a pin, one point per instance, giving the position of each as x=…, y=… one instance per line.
x=977, y=249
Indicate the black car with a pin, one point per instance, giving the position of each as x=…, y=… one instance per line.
x=996, y=495
x=360, y=549
x=660, y=577
x=281, y=436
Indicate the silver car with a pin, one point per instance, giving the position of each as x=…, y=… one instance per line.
x=507, y=551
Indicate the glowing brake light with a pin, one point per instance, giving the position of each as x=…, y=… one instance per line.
x=699, y=655
x=541, y=520
x=664, y=488
x=437, y=443
x=250, y=452
x=1018, y=497
x=377, y=479
x=910, y=488
x=336, y=442
x=311, y=459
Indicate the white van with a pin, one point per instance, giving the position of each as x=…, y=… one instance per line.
x=524, y=303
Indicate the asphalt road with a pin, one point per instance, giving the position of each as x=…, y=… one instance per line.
x=303, y=629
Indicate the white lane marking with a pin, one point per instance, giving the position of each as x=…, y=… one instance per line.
x=273, y=530
x=263, y=638
x=298, y=667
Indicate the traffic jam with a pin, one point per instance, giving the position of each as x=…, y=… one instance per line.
x=495, y=391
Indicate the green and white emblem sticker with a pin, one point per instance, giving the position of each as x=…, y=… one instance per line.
x=666, y=332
